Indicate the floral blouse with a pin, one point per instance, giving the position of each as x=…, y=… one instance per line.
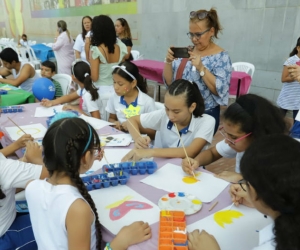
x=220, y=66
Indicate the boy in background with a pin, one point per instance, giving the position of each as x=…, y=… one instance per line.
x=48, y=70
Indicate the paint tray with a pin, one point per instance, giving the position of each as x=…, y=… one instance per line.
x=139, y=167
x=12, y=109
x=105, y=180
x=172, y=231
x=3, y=92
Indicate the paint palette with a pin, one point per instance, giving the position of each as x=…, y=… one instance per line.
x=105, y=180
x=12, y=109
x=140, y=167
x=172, y=231
x=180, y=201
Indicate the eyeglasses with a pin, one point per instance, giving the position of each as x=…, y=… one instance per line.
x=197, y=35
x=231, y=141
x=201, y=15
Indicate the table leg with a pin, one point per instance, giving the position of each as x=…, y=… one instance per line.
x=238, y=88
x=158, y=93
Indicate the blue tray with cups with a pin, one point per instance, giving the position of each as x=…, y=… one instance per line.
x=133, y=168
x=105, y=180
x=12, y=109
x=3, y=92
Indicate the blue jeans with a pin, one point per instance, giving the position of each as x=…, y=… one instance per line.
x=215, y=113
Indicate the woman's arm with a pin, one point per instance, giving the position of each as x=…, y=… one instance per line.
x=60, y=41
x=95, y=64
x=285, y=76
x=87, y=46
x=77, y=54
x=128, y=53
x=168, y=69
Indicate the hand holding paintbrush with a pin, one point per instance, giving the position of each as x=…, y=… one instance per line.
x=141, y=141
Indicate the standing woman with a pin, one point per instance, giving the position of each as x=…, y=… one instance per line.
x=106, y=51
x=63, y=48
x=289, y=97
x=209, y=65
x=80, y=39
x=123, y=33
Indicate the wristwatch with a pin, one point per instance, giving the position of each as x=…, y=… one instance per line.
x=202, y=72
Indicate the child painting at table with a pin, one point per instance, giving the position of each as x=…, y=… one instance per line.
x=90, y=103
x=271, y=181
x=246, y=120
x=61, y=207
x=48, y=70
x=130, y=97
x=183, y=115
x=15, y=229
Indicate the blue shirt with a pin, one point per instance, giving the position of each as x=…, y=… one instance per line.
x=220, y=66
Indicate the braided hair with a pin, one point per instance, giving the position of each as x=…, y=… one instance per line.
x=64, y=144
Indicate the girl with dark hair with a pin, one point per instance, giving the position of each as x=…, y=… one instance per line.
x=60, y=207
x=246, y=120
x=90, y=103
x=184, y=115
x=288, y=98
x=130, y=96
x=271, y=183
x=124, y=33
x=80, y=39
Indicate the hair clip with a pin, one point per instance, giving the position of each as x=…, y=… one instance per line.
x=124, y=69
x=86, y=74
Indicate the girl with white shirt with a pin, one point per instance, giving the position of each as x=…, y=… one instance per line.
x=246, y=120
x=130, y=97
x=90, y=103
x=271, y=177
x=183, y=116
x=62, y=212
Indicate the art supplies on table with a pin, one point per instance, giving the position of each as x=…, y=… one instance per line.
x=180, y=201
x=37, y=131
x=105, y=180
x=48, y=111
x=140, y=167
x=3, y=92
x=118, y=140
x=171, y=178
x=12, y=109
x=22, y=207
x=172, y=231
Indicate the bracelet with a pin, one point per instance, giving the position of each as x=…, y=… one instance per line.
x=165, y=61
x=107, y=246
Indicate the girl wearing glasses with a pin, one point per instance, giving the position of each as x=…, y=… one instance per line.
x=208, y=65
x=271, y=182
x=249, y=118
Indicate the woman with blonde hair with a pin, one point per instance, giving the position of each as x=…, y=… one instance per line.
x=124, y=34
x=63, y=48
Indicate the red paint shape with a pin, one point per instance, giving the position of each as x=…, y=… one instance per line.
x=172, y=195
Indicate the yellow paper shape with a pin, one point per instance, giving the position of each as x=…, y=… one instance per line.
x=119, y=202
x=131, y=111
x=226, y=216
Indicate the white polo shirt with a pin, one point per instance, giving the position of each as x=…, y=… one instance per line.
x=227, y=152
x=200, y=127
x=117, y=105
x=88, y=105
x=266, y=239
x=79, y=46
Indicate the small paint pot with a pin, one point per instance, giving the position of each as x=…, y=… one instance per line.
x=123, y=180
x=105, y=183
x=114, y=181
x=134, y=170
x=150, y=169
x=142, y=169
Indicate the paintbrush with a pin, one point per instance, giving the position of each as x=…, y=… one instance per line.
x=212, y=207
x=231, y=206
x=17, y=125
x=186, y=155
x=106, y=159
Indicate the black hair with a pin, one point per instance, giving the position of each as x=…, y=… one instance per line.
x=50, y=65
x=256, y=115
x=191, y=92
x=2, y=195
x=9, y=55
x=64, y=143
x=24, y=35
x=103, y=32
x=295, y=51
x=125, y=25
x=84, y=32
x=134, y=70
x=82, y=72
x=63, y=25
x=271, y=166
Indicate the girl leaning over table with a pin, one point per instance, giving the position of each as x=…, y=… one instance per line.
x=183, y=119
x=62, y=212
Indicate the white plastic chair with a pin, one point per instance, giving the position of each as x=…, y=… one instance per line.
x=135, y=54
x=32, y=58
x=38, y=71
x=64, y=81
x=244, y=67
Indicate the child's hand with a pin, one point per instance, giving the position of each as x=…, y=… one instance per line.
x=202, y=241
x=130, y=235
x=186, y=165
x=117, y=125
x=34, y=153
x=124, y=126
x=229, y=176
x=46, y=103
x=142, y=142
x=137, y=154
x=68, y=107
x=239, y=196
x=21, y=142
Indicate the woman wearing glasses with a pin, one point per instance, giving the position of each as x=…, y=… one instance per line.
x=249, y=118
x=208, y=65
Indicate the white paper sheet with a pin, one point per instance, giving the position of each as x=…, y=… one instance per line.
x=37, y=130
x=117, y=140
x=96, y=123
x=242, y=233
x=47, y=112
x=172, y=179
x=124, y=198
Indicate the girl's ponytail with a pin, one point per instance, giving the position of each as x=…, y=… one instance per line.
x=142, y=84
x=90, y=87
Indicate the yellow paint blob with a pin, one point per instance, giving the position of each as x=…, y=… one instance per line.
x=191, y=179
x=226, y=216
x=164, y=199
x=197, y=202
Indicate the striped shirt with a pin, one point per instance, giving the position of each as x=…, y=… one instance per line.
x=289, y=97
x=58, y=90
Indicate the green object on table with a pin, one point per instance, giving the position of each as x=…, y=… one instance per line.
x=16, y=97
